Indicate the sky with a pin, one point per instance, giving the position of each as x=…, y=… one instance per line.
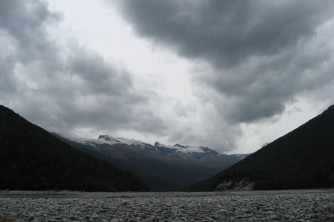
x=229, y=75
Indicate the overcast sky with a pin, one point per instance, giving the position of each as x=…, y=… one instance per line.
x=228, y=74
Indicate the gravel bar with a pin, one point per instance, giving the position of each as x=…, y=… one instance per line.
x=305, y=205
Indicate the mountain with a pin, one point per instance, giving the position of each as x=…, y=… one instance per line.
x=33, y=159
x=302, y=159
x=161, y=167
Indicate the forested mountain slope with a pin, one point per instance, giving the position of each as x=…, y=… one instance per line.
x=302, y=159
x=33, y=159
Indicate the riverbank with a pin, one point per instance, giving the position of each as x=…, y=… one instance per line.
x=301, y=205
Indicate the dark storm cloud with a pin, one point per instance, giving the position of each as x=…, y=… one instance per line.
x=7, y=83
x=23, y=40
x=64, y=87
x=97, y=74
x=261, y=54
x=26, y=23
x=222, y=31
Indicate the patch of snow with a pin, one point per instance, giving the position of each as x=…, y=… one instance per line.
x=181, y=148
x=157, y=144
x=121, y=140
x=189, y=149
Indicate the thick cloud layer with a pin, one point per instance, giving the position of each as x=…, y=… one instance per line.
x=64, y=87
x=248, y=59
x=257, y=56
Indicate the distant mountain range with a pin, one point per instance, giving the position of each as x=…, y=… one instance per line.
x=161, y=167
x=302, y=159
x=33, y=159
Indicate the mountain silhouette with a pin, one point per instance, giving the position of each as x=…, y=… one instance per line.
x=302, y=159
x=33, y=159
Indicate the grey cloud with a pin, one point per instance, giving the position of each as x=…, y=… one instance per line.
x=65, y=88
x=183, y=110
x=7, y=83
x=92, y=68
x=261, y=54
x=26, y=23
x=225, y=32
x=261, y=87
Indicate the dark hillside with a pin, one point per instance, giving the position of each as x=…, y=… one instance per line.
x=302, y=159
x=33, y=159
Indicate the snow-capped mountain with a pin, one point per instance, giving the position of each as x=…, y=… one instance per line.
x=110, y=140
x=161, y=167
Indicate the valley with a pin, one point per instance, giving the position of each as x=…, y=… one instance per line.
x=161, y=167
x=166, y=110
